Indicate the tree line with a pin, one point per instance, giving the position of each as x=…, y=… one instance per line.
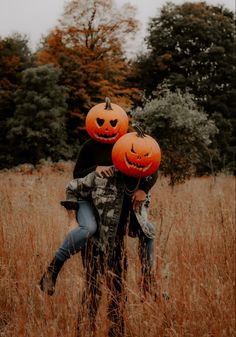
x=181, y=89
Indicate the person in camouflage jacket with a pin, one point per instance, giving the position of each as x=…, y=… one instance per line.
x=104, y=201
x=106, y=247
x=107, y=196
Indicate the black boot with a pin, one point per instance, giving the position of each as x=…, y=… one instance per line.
x=48, y=281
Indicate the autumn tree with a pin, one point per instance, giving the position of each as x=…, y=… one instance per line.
x=15, y=56
x=89, y=47
x=193, y=46
x=37, y=129
x=183, y=131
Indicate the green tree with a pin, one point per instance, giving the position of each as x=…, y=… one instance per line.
x=183, y=131
x=193, y=46
x=89, y=47
x=15, y=56
x=37, y=129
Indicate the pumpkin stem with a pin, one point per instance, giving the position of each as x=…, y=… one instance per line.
x=139, y=131
x=108, y=104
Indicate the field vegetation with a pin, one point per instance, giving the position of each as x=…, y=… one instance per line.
x=195, y=259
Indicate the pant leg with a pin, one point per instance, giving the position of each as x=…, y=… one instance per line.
x=147, y=258
x=115, y=281
x=77, y=237
x=146, y=254
x=91, y=296
x=146, y=245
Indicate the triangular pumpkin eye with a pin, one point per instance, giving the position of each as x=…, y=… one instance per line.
x=113, y=122
x=132, y=148
x=100, y=121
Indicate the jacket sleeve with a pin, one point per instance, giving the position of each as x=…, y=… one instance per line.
x=83, y=164
x=78, y=188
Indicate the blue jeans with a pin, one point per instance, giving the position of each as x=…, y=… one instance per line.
x=77, y=237
x=145, y=246
x=146, y=254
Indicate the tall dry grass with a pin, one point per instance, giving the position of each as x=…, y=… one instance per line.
x=195, y=257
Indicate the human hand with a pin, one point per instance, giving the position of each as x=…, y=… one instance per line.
x=138, y=199
x=104, y=171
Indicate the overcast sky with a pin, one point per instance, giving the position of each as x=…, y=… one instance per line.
x=36, y=17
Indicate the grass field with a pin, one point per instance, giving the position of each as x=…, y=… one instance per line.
x=195, y=256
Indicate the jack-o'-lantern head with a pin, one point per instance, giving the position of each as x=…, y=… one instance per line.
x=136, y=154
x=106, y=122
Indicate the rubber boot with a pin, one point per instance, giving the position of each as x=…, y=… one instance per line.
x=48, y=280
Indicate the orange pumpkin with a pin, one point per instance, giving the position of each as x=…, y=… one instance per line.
x=106, y=122
x=136, y=154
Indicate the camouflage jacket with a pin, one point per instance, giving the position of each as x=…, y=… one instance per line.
x=107, y=197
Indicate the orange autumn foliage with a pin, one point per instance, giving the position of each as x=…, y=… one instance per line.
x=88, y=46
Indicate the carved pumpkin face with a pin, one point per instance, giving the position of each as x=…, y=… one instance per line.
x=136, y=155
x=106, y=122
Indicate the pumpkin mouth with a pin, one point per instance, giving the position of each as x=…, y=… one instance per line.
x=106, y=136
x=140, y=167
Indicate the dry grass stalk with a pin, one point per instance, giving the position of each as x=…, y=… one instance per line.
x=195, y=255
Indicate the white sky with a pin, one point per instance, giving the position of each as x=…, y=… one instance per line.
x=36, y=17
